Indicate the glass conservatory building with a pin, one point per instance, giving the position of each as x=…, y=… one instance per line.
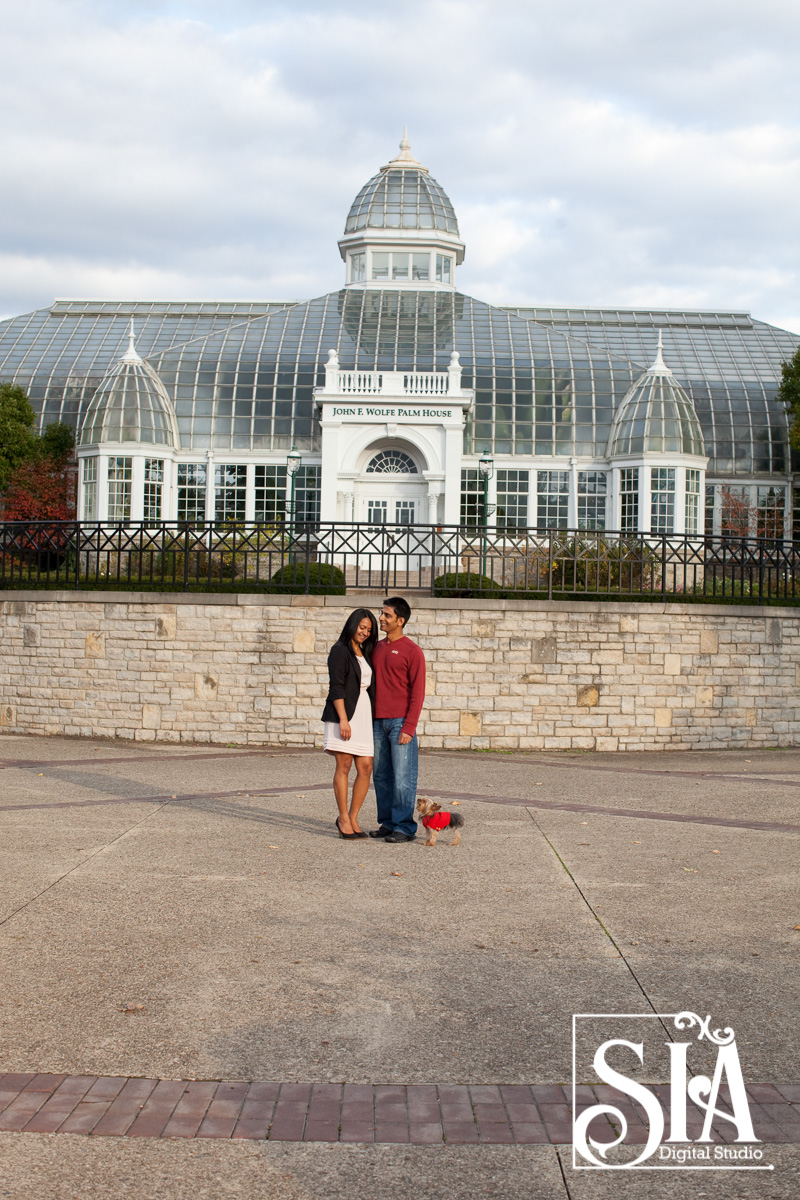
x=401, y=397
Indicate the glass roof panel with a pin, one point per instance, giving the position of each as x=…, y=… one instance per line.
x=550, y=382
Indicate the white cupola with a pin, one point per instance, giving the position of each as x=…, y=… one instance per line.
x=401, y=231
x=655, y=447
x=131, y=404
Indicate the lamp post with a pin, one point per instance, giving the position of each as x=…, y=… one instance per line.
x=292, y=467
x=486, y=468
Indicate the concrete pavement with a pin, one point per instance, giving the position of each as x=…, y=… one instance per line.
x=209, y=887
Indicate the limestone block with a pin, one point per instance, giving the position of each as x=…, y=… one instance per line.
x=709, y=641
x=483, y=629
x=751, y=718
x=96, y=645
x=672, y=664
x=543, y=650
x=797, y=675
x=588, y=695
x=628, y=625
x=704, y=697
x=166, y=627
x=470, y=724
x=30, y=635
x=663, y=718
x=205, y=686
x=151, y=716
x=8, y=715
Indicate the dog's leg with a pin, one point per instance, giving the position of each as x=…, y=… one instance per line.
x=432, y=834
x=456, y=839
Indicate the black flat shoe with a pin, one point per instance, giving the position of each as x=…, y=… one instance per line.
x=348, y=836
x=400, y=837
x=380, y=833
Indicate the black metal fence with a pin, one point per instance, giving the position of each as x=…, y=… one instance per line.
x=443, y=560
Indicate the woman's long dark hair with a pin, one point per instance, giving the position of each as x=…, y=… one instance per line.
x=351, y=625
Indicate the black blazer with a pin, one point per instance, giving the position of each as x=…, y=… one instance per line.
x=345, y=682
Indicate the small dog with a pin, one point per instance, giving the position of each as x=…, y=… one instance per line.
x=435, y=821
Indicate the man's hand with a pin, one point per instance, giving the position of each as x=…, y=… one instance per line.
x=405, y=738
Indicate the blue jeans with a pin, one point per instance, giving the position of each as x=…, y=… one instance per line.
x=394, y=774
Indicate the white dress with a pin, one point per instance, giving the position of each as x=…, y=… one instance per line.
x=360, y=741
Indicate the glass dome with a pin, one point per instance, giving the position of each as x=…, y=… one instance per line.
x=402, y=198
x=403, y=195
x=131, y=404
x=656, y=416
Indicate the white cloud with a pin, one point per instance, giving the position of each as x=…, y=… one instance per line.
x=605, y=154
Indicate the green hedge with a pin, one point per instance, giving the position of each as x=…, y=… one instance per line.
x=465, y=583
x=316, y=579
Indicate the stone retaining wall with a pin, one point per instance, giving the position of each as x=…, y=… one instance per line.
x=503, y=675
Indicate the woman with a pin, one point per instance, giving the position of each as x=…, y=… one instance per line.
x=348, y=715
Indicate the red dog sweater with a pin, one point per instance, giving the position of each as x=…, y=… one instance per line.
x=438, y=821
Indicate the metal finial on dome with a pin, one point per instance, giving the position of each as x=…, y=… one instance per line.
x=659, y=367
x=130, y=354
x=405, y=158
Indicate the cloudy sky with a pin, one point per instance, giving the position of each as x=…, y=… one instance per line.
x=621, y=152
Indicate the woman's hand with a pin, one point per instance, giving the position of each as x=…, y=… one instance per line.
x=344, y=730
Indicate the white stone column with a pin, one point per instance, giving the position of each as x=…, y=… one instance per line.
x=679, y=514
x=644, y=498
x=435, y=484
x=250, y=494
x=210, y=491
x=329, y=484
x=137, y=487
x=614, y=507
x=102, y=487
x=454, y=442
x=572, y=504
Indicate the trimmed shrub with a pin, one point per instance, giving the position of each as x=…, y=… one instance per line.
x=464, y=583
x=314, y=578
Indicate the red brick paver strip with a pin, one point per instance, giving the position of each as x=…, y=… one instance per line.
x=123, y=1111
x=55, y=1110
x=16, y=1115
x=418, y=1114
x=93, y=1105
x=188, y=1113
x=224, y=1110
x=157, y=1109
x=256, y=1115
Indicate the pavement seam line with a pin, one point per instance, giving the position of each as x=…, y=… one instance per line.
x=604, y=928
x=88, y=858
x=563, y=1172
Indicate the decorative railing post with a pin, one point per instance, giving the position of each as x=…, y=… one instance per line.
x=332, y=372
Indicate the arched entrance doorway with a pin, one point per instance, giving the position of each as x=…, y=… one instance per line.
x=391, y=489
x=390, y=497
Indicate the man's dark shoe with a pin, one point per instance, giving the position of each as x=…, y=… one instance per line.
x=400, y=837
x=380, y=833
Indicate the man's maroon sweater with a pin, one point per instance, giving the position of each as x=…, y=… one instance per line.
x=399, y=668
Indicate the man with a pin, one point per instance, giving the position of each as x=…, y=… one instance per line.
x=399, y=667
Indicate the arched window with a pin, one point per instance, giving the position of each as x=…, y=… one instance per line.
x=391, y=462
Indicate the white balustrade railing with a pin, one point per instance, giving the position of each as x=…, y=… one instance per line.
x=340, y=381
x=437, y=384
x=360, y=382
x=388, y=382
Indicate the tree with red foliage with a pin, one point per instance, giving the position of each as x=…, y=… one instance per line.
x=41, y=489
